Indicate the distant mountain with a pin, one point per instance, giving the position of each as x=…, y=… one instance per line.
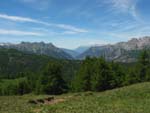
x=71, y=52
x=82, y=49
x=76, y=52
x=40, y=48
x=121, y=52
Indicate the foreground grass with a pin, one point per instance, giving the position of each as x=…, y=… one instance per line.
x=131, y=99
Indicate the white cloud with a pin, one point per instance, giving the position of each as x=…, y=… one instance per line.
x=135, y=13
x=17, y=18
x=26, y=19
x=121, y=5
x=71, y=28
x=69, y=33
x=124, y=6
x=19, y=33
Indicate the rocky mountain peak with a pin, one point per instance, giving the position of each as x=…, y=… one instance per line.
x=122, y=52
x=40, y=48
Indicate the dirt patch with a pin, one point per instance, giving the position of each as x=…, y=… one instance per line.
x=46, y=101
x=41, y=101
x=49, y=100
x=55, y=101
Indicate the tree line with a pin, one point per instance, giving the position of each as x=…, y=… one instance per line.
x=94, y=74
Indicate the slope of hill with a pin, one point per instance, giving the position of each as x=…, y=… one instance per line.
x=40, y=48
x=14, y=62
x=130, y=99
x=121, y=52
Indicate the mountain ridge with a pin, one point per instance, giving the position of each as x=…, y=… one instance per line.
x=38, y=48
x=120, y=52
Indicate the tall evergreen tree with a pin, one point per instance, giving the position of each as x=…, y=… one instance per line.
x=23, y=86
x=143, y=65
x=82, y=80
x=52, y=80
x=118, y=73
x=131, y=77
x=102, y=76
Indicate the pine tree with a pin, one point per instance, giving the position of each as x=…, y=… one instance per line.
x=39, y=86
x=82, y=80
x=118, y=73
x=52, y=80
x=143, y=65
x=23, y=86
x=102, y=77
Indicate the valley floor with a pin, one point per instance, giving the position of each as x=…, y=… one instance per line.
x=131, y=99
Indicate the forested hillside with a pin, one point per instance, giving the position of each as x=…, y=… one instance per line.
x=14, y=63
x=18, y=69
x=23, y=73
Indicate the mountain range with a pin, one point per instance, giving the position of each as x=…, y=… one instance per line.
x=120, y=52
x=40, y=48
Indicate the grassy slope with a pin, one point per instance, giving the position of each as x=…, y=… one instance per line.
x=131, y=99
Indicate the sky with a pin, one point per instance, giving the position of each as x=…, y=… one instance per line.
x=73, y=23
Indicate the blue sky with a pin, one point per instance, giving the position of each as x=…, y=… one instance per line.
x=71, y=23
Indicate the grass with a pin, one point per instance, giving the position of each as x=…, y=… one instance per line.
x=131, y=99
